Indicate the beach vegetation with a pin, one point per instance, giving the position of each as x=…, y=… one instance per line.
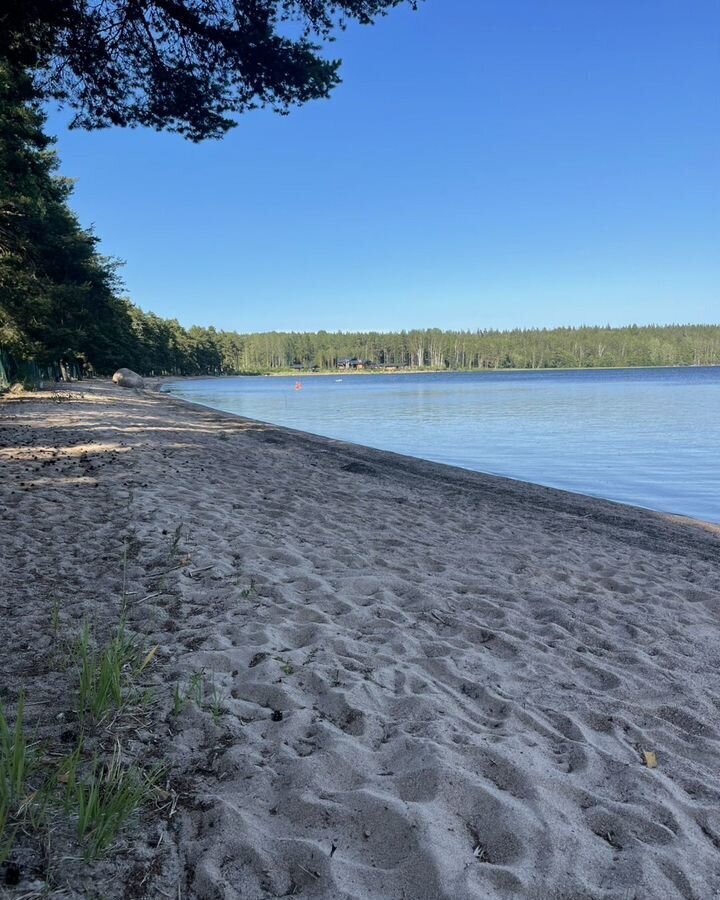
x=203, y=692
x=177, y=537
x=93, y=795
x=215, y=704
x=286, y=667
x=250, y=591
x=196, y=687
x=105, y=799
x=104, y=672
x=179, y=699
x=107, y=675
x=17, y=762
x=17, y=757
x=99, y=798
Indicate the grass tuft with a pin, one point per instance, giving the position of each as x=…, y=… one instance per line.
x=196, y=691
x=103, y=672
x=17, y=762
x=106, y=799
x=175, y=546
x=179, y=700
x=16, y=758
x=250, y=591
x=216, y=705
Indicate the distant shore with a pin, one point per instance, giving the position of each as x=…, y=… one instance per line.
x=426, y=370
x=395, y=677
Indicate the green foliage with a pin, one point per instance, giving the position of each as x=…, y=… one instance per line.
x=216, y=701
x=179, y=700
x=250, y=591
x=196, y=687
x=68, y=775
x=17, y=763
x=431, y=348
x=105, y=800
x=58, y=298
x=194, y=691
x=102, y=799
x=16, y=759
x=165, y=348
x=104, y=673
x=36, y=793
x=179, y=65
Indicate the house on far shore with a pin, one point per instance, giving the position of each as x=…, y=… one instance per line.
x=347, y=362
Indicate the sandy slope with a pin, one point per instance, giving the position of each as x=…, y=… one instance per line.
x=467, y=668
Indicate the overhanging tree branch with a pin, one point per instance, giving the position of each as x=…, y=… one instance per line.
x=189, y=66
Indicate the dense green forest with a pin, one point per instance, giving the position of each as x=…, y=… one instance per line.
x=62, y=311
x=480, y=349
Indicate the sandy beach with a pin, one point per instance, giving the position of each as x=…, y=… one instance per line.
x=400, y=680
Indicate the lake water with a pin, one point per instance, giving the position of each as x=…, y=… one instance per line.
x=650, y=437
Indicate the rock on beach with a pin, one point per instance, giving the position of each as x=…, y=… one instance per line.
x=128, y=378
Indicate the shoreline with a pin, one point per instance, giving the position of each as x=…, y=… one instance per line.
x=447, y=676
x=158, y=384
x=554, y=498
x=426, y=370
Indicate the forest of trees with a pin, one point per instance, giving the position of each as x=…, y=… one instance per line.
x=671, y=345
x=62, y=309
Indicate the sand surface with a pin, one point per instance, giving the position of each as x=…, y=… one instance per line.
x=419, y=683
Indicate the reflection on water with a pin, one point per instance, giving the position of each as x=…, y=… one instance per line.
x=643, y=436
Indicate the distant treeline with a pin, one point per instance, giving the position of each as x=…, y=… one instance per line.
x=654, y=345
x=62, y=313
x=163, y=347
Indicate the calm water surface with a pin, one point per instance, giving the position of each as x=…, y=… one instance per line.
x=650, y=437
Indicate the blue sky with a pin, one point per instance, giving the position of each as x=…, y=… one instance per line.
x=485, y=163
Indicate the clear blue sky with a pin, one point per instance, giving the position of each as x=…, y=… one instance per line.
x=486, y=163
